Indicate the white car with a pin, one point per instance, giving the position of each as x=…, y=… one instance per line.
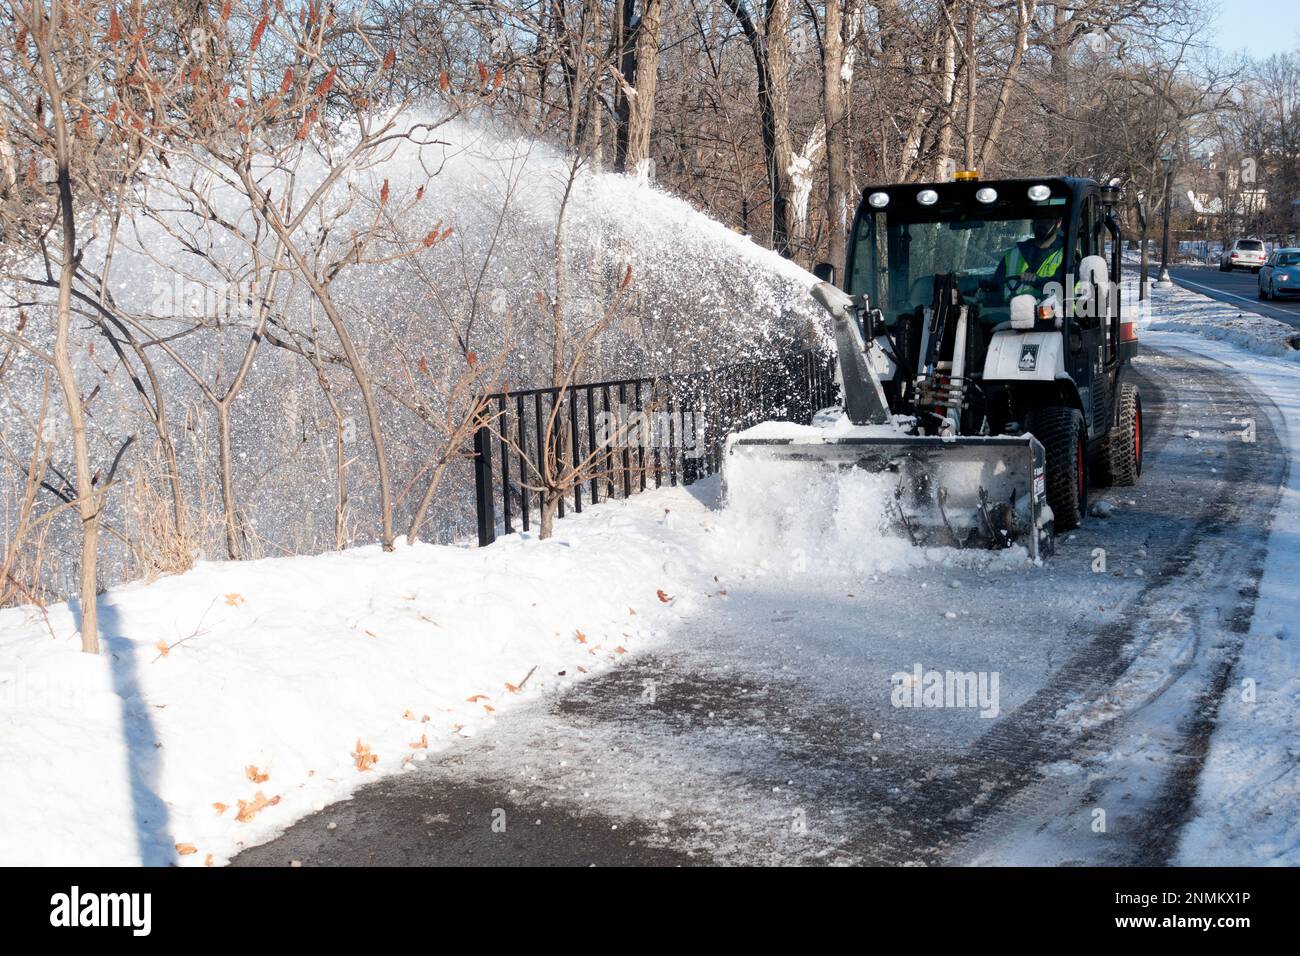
x=1246, y=253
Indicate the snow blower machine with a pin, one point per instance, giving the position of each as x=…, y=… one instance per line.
x=983, y=359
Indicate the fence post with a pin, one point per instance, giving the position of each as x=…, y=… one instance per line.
x=487, y=522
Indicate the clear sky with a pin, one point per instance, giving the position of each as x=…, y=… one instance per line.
x=1259, y=27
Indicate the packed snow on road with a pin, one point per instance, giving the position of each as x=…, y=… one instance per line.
x=236, y=698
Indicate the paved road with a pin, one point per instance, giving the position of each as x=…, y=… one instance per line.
x=1239, y=288
x=765, y=734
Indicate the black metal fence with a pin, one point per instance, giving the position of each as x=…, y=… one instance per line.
x=615, y=439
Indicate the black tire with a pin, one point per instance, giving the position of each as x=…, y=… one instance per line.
x=1124, y=443
x=1061, y=432
x=1262, y=294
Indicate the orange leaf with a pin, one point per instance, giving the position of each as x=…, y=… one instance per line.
x=112, y=112
x=489, y=708
x=632, y=611
x=423, y=365
x=234, y=600
x=621, y=649
x=662, y=596
x=476, y=698
x=163, y=649
x=114, y=27
x=419, y=194
x=251, y=808
x=225, y=11
x=363, y=756
x=431, y=238
x=421, y=744
x=471, y=357
x=582, y=638
x=497, y=78
x=408, y=715
x=512, y=688
x=287, y=81
x=627, y=278
x=326, y=83
x=220, y=808
x=255, y=775
x=383, y=192
x=207, y=860
x=389, y=59
x=258, y=31
x=482, y=74
x=185, y=849
x=443, y=82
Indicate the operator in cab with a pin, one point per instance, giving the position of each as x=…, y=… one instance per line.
x=1031, y=263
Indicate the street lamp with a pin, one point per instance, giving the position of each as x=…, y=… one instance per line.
x=1163, y=281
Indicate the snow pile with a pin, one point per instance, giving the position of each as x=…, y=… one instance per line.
x=799, y=517
x=235, y=698
x=1181, y=310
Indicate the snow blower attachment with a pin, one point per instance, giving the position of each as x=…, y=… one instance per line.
x=980, y=365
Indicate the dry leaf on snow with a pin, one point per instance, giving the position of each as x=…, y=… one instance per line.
x=255, y=775
x=363, y=756
x=185, y=849
x=251, y=808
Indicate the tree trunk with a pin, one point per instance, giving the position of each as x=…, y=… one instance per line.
x=641, y=118
x=972, y=75
x=229, y=509
x=1024, y=15
x=835, y=116
x=771, y=50
x=69, y=259
x=947, y=100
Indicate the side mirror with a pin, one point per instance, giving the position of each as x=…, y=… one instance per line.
x=825, y=272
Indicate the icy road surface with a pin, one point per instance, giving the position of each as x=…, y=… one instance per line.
x=764, y=730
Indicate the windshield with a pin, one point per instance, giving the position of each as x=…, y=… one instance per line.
x=1288, y=259
x=895, y=260
x=1251, y=245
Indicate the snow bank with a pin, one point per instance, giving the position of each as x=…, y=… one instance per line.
x=262, y=689
x=1182, y=310
x=1245, y=813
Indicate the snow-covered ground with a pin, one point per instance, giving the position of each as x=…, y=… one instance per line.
x=234, y=699
x=1246, y=809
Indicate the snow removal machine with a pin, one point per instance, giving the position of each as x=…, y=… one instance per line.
x=984, y=358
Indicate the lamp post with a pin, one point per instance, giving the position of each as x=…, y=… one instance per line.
x=1163, y=281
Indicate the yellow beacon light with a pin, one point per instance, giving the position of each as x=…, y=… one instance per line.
x=966, y=175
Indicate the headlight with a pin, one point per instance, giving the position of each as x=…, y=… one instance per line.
x=986, y=194
x=1283, y=277
x=878, y=200
x=1039, y=192
x=927, y=197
